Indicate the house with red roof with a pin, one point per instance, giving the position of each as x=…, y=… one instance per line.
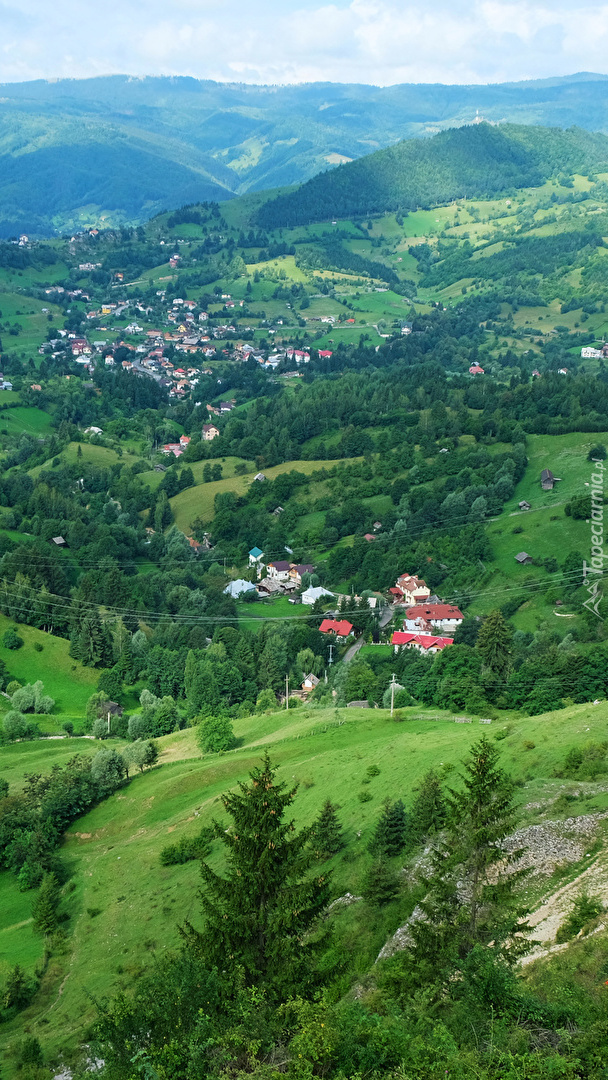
x=413, y=589
x=340, y=628
x=475, y=369
x=424, y=643
x=429, y=618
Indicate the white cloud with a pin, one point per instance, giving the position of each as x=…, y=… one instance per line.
x=376, y=41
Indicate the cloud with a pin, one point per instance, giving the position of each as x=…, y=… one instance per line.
x=374, y=41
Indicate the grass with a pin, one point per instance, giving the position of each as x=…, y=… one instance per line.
x=113, y=851
x=66, y=680
x=25, y=419
x=199, y=501
x=102, y=456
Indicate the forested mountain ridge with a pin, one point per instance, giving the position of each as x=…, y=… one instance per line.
x=475, y=160
x=116, y=150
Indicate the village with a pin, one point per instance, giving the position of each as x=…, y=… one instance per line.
x=428, y=623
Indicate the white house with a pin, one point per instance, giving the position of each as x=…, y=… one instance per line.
x=279, y=571
x=238, y=587
x=310, y=596
x=429, y=618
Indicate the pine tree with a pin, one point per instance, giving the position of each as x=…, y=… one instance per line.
x=381, y=884
x=258, y=919
x=428, y=812
x=494, y=644
x=471, y=901
x=45, y=908
x=390, y=832
x=327, y=832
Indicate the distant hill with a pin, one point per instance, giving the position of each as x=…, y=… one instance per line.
x=476, y=160
x=116, y=149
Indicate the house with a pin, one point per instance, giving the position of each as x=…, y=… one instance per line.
x=238, y=587
x=310, y=683
x=475, y=369
x=523, y=505
x=93, y=430
x=424, y=643
x=209, y=432
x=59, y=541
x=524, y=559
x=297, y=570
x=339, y=628
x=35, y=386
x=423, y=618
x=279, y=571
x=183, y=441
x=195, y=546
x=414, y=590
x=255, y=556
x=259, y=476
x=547, y=480
x=369, y=537
x=590, y=353
x=268, y=587
x=317, y=592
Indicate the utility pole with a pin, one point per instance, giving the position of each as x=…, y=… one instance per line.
x=287, y=691
x=393, y=692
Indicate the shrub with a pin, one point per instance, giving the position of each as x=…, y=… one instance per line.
x=187, y=848
x=11, y=639
x=364, y=796
x=584, y=910
x=216, y=735
x=266, y=701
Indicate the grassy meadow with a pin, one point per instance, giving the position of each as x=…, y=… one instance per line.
x=125, y=907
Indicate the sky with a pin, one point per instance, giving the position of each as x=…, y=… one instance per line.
x=279, y=41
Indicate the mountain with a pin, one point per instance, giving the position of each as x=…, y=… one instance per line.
x=118, y=149
x=476, y=160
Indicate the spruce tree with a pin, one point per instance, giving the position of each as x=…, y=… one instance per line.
x=327, y=835
x=380, y=884
x=494, y=644
x=260, y=917
x=428, y=813
x=45, y=908
x=390, y=832
x=471, y=900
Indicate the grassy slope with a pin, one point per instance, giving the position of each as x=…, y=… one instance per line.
x=65, y=679
x=114, y=849
x=198, y=501
x=546, y=530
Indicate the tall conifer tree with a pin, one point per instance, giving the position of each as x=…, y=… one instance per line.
x=260, y=918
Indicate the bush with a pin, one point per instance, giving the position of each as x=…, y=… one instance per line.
x=216, y=735
x=11, y=639
x=16, y=726
x=584, y=910
x=266, y=701
x=187, y=848
x=31, y=698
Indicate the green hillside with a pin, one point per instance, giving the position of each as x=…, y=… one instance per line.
x=113, y=151
x=467, y=162
x=138, y=904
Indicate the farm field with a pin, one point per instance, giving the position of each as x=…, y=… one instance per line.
x=125, y=905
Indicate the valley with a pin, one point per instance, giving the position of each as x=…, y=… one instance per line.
x=298, y=475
